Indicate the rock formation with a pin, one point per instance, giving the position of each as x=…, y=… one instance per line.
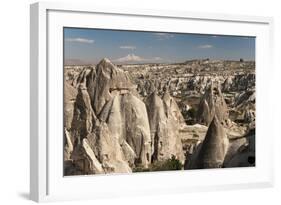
x=192, y=136
x=226, y=86
x=124, y=118
x=241, y=152
x=68, y=146
x=106, y=81
x=84, y=158
x=212, y=103
x=164, y=120
x=214, y=147
x=70, y=94
x=108, y=150
x=171, y=108
x=127, y=120
x=118, y=137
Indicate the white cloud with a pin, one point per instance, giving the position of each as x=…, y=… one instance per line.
x=206, y=46
x=163, y=36
x=157, y=58
x=128, y=47
x=130, y=58
x=79, y=40
x=134, y=58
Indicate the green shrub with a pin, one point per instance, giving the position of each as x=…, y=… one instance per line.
x=191, y=113
x=140, y=169
x=169, y=164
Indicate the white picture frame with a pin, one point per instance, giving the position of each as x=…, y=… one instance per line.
x=46, y=67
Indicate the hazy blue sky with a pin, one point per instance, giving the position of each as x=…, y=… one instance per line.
x=89, y=46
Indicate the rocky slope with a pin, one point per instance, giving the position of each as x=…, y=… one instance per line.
x=118, y=119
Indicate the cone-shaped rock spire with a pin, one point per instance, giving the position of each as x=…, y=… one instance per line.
x=164, y=127
x=214, y=146
x=105, y=82
x=212, y=103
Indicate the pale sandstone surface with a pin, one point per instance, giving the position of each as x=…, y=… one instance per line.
x=117, y=118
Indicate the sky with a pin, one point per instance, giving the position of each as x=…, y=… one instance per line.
x=89, y=46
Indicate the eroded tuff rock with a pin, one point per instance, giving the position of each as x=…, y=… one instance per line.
x=214, y=147
x=242, y=82
x=109, y=128
x=119, y=136
x=234, y=145
x=108, y=150
x=84, y=118
x=164, y=123
x=241, y=152
x=105, y=82
x=80, y=78
x=84, y=159
x=212, y=103
x=244, y=107
x=68, y=146
x=70, y=94
x=192, y=136
x=191, y=76
x=129, y=154
x=226, y=86
x=171, y=108
x=127, y=120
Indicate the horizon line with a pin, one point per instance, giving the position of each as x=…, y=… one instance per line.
x=167, y=63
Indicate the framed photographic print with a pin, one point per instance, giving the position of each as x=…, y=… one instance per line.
x=127, y=102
